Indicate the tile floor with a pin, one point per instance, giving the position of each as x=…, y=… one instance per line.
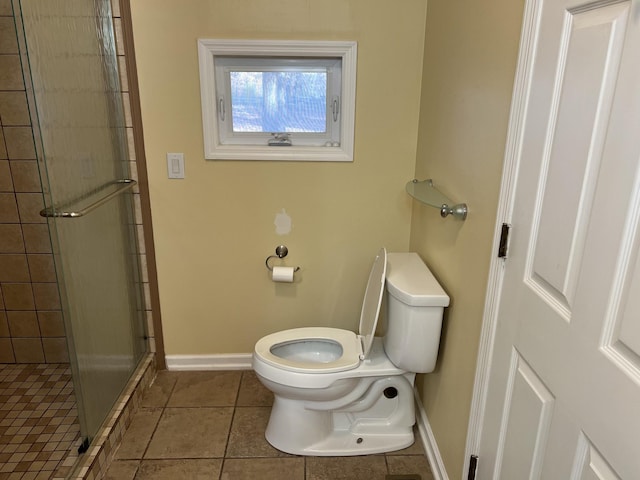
x=39, y=431
x=210, y=425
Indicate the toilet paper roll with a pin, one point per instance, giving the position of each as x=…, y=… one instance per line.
x=282, y=274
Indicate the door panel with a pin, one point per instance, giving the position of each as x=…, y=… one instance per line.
x=573, y=144
x=526, y=421
x=589, y=464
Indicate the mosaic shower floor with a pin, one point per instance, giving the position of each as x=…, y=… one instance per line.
x=39, y=430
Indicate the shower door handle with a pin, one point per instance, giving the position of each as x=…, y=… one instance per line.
x=123, y=185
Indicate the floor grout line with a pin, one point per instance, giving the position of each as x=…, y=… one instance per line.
x=233, y=415
x=250, y=453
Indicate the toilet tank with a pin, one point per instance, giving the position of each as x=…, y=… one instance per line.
x=415, y=304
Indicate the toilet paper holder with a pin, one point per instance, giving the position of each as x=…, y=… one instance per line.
x=281, y=252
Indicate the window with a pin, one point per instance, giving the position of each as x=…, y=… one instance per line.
x=266, y=100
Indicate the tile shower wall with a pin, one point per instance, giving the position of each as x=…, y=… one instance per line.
x=31, y=328
x=31, y=325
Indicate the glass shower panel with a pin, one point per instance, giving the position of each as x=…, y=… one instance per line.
x=82, y=148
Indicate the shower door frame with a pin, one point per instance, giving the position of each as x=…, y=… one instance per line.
x=136, y=154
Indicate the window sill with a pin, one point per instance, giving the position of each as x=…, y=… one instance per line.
x=290, y=154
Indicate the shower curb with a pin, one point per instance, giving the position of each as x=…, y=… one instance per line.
x=96, y=460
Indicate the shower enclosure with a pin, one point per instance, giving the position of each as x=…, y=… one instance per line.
x=71, y=70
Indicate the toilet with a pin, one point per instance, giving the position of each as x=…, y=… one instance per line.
x=337, y=393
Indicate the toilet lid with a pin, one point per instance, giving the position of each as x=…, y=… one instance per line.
x=372, y=300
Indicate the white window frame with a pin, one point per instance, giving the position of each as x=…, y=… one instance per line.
x=220, y=145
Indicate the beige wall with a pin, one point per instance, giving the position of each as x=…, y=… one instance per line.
x=214, y=229
x=469, y=66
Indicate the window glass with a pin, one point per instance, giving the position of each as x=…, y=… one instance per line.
x=279, y=101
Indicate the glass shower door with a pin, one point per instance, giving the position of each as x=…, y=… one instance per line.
x=82, y=151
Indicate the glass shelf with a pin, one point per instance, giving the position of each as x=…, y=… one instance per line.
x=425, y=192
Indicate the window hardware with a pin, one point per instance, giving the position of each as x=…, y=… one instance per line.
x=279, y=140
x=221, y=109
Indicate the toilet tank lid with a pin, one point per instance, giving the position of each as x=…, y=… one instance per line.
x=411, y=281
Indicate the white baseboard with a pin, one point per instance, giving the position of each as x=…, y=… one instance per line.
x=231, y=361
x=429, y=441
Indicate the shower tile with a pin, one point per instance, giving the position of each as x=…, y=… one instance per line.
x=144, y=271
x=38, y=435
x=148, y=314
x=137, y=207
x=181, y=431
x=51, y=323
x=115, y=8
x=6, y=181
x=11, y=73
x=11, y=238
x=146, y=291
x=29, y=206
x=126, y=103
x=140, y=238
x=117, y=30
x=18, y=296
x=28, y=350
x=252, y=393
x=135, y=440
x=263, y=468
x=14, y=109
x=346, y=468
x=6, y=351
x=46, y=296
x=131, y=144
x=8, y=40
x=246, y=438
x=8, y=208
x=13, y=268
x=36, y=238
x=133, y=173
x=124, y=80
x=173, y=469
x=19, y=141
x=205, y=389
x=55, y=350
x=25, y=176
x=410, y=464
x=23, y=324
x=41, y=268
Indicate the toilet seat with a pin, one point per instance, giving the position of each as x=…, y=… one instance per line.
x=354, y=348
x=348, y=341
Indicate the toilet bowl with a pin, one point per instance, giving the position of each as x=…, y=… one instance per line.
x=339, y=393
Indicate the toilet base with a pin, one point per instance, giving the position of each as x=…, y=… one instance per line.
x=371, y=424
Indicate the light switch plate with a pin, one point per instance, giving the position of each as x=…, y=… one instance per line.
x=175, y=165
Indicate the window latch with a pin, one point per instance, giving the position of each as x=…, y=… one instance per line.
x=335, y=108
x=221, y=108
x=279, y=140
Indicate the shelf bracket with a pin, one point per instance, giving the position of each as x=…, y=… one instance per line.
x=459, y=211
x=426, y=193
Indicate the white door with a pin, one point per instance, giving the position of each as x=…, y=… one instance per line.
x=563, y=397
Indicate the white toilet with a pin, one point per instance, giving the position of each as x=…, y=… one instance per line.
x=337, y=393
